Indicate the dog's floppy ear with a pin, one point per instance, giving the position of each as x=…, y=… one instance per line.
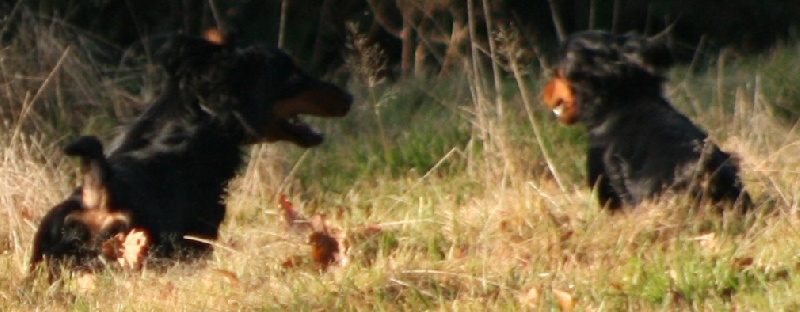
x=657, y=54
x=203, y=71
x=652, y=54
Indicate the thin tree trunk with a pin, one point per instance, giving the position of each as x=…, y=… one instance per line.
x=615, y=18
x=498, y=98
x=406, y=35
x=557, y=23
x=282, y=25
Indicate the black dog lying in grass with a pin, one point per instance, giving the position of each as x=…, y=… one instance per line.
x=168, y=172
x=639, y=145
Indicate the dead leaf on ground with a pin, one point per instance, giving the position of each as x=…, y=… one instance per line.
x=26, y=214
x=228, y=276
x=324, y=249
x=330, y=245
x=324, y=240
x=743, y=262
x=134, y=249
x=327, y=242
x=112, y=247
x=335, y=246
x=565, y=300
x=129, y=250
x=294, y=220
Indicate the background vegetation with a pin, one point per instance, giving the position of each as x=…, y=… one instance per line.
x=477, y=192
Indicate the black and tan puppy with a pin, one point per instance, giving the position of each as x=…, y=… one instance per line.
x=640, y=146
x=168, y=172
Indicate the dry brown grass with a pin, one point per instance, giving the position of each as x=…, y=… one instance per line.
x=485, y=226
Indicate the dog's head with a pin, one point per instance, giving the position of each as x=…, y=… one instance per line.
x=74, y=232
x=254, y=90
x=594, y=66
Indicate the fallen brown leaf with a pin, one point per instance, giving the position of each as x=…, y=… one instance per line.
x=325, y=241
x=324, y=249
x=112, y=247
x=134, y=249
x=26, y=214
x=294, y=220
x=743, y=262
x=329, y=244
x=129, y=250
x=228, y=276
x=565, y=300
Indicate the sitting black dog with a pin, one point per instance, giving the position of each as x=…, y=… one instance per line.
x=640, y=146
x=168, y=172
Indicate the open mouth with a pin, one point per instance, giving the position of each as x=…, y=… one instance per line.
x=559, y=109
x=302, y=134
x=325, y=101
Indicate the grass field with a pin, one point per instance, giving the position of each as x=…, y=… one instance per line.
x=479, y=201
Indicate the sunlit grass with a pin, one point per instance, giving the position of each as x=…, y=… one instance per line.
x=473, y=216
